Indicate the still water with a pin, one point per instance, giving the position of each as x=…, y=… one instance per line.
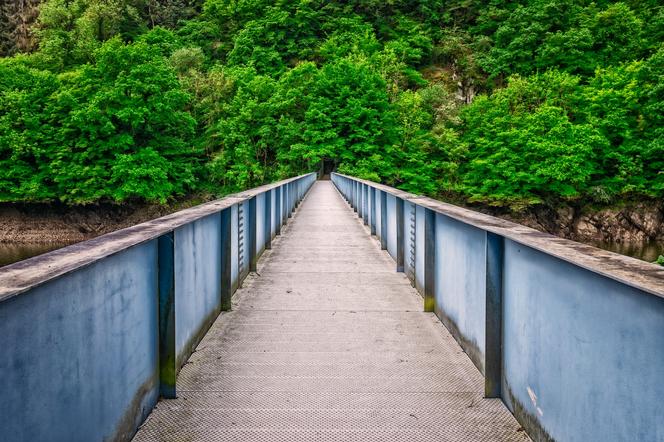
x=649, y=251
x=10, y=253
x=646, y=251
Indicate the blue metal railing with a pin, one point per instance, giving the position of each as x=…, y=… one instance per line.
x=92, y=334
x=570, y=337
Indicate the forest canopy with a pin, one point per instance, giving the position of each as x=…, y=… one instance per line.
x=511, y=104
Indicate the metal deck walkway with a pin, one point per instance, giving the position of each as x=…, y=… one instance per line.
x=328, y=343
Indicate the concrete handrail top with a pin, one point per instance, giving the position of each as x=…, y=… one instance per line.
x=23, y=275
x=627, y=270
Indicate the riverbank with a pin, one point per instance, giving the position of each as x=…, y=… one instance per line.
x=627, y=223
x=631, y=229
x=60, y=224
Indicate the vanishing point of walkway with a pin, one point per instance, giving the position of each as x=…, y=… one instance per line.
x=326, y=342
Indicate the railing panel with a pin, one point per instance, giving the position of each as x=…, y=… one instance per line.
x=79, y=356
x=460, y=284
x=92, y=333
x=571, y=337
x=583, y=355
x=197, y=282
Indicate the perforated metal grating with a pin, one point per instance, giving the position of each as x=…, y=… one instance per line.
x=328, y=344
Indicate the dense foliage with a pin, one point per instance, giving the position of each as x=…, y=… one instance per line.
x=504, y=103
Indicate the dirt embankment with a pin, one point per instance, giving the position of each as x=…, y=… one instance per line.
x=46, y=223
x=631, y=223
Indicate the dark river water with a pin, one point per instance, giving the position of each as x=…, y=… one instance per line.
x=10, y=253
x=648, y=251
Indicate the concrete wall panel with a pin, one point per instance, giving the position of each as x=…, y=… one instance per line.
x=460, y=283
x=197, y=281
x=583, y=354
x=79, y=355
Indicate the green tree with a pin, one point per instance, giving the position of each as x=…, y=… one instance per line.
x=112, y=130
x=25, y=127
x=523, y=146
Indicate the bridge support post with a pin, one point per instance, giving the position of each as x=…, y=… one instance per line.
x=359, y=200
x=373, y=210
x=356, y=195
x=360, y=186
x=251, y=240
x=284, y=207
x=383, y=220
x=278, y=211
x=287, y=201
x=351, y=194
x=429, y=260
x=400, y=235
x=166, y=293
x=289, y=208
x=495, y=249
x=268, y=220
x=226, y=259
x=364, y=202
x=365, y=205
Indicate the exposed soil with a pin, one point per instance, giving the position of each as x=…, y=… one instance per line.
x=46, y=223
x=631, y=223
x=634, y=223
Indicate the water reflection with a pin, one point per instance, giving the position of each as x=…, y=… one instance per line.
x=11, y=253
x=646, y=251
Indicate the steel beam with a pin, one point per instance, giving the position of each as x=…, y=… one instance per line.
x=251, y=234
x=495, y=252
x=400, y=234
x=268, y=220
x=373, y=210
x=166, y=290
x=383, y=220
x=429, y=260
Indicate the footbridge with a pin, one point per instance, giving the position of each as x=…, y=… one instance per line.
x=339, y=310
